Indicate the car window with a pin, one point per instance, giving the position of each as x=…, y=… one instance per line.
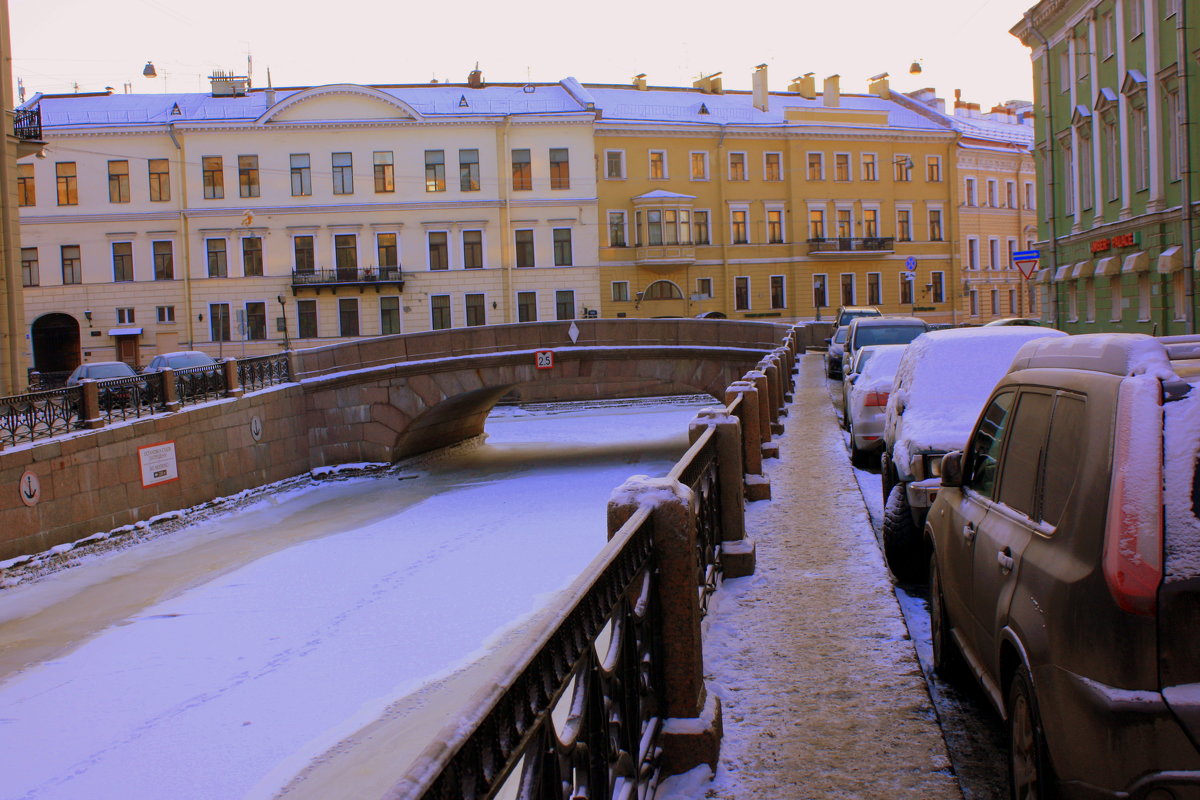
x=840, y=336
x=985, y=445
x=1022, y=457
x=900, y=334
x=1062, y=455
x=110, y=371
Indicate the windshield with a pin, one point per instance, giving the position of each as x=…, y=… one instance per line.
x=190, y=360
x=109, y=371
x=882, y=334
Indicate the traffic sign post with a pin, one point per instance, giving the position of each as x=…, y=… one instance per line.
x=1026, y=261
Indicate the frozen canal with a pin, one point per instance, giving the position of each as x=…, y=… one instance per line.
x=230, y=657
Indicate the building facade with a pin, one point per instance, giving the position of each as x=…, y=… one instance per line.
x=1115, y=88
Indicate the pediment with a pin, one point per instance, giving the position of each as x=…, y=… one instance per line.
x=338, y=102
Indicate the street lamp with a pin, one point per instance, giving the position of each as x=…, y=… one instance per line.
x=283, y=320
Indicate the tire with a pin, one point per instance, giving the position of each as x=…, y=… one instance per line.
x=948, y=660
x=1030, y=776
x=902, y=546
x=885, y=476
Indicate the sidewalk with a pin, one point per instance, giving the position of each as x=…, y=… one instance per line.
x=821, y=690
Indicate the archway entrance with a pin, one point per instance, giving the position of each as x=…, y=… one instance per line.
x=664, y=299
x=55, y=340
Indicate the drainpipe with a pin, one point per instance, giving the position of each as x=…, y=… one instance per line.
x=721, y=209
x=1049, y=81
x=186, y=235
x=506, y=235
x=1189, y=275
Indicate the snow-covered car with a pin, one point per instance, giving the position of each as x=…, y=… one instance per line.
x=941, y=384
x=180, y=360
x=101, y=371
x=880, y=330
x=833, y=356
x=867, y=389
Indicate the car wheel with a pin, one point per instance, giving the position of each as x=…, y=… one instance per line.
x=885, y=475
x=947, y=659
x=1029, y=771
x=901, y=540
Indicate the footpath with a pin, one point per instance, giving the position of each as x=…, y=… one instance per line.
x=821, y=690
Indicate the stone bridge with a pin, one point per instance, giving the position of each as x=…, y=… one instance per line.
x=385, y=398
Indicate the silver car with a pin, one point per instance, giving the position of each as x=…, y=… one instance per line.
x=833, y=356
x=868, y=386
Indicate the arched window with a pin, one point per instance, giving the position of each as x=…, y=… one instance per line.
x=662, y=290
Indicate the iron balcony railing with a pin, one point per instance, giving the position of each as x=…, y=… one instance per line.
x=847, y=245
x=27, y=123
x=353, y=276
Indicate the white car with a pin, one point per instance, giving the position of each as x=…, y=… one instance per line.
x=868, y=387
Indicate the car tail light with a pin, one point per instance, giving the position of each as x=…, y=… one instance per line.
x=1133, y=531
x=875, y=399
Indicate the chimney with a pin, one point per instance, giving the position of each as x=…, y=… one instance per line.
x=879, y=86
x=805, y=86
x=832, y=95
x=475, y=77
x=226, y=84
x=709, y=84
x=639, y=81
x=762, y=98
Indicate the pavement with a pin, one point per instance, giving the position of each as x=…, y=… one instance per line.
x=822, y=692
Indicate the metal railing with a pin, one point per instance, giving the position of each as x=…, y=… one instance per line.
x=131, y=398
x=850, y=245
x=27, y=124
x=40, y=415
x=199, y=384
x=697, y=470
x=263, y=371
x=342, y=275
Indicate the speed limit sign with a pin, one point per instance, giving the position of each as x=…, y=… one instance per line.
x=544, y=359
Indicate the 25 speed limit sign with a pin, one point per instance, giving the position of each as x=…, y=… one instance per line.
x=544, y=359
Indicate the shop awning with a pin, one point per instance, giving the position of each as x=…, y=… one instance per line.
x=1136, y=262
x=1083, y=269
x=1110, y=265
x=124, y=331
x=1170, y=260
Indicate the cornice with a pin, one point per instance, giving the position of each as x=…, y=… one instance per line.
x=797, y=133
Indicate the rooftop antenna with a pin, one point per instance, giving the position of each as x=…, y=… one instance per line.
x=20, y=90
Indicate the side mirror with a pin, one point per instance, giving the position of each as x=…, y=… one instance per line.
x=952, y=468
x=828, y=342
x=852, y=377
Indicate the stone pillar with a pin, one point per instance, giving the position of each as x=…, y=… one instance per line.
x=765, y=417
x=757, y=487
x=737, y=554
x=293, y=365
x=91, y=404
x=233, y=388
x=169, y=389
x=774, y=372
x=695, y=736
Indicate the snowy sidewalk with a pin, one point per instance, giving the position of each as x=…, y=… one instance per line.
x=822, y=693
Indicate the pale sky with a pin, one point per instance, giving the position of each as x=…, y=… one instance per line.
x=962, y=44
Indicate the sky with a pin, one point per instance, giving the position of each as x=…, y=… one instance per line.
x=961, y=44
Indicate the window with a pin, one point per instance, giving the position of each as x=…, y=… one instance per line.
x=302, y=246
x=778, y=291
x=699, y=162
x=938, y=292
x=1137, y=135
x=903, y=168
x=347, y=316
x=343, y=173
x=213, y=173
x=738, y=226
x=564, y=304
x=26, y=189
x=1029, y=198
x=435, y=170
x=301, y=175
x=971, y=198
x=248, y=176
x=1069, y=171
x=773, y=166
x=870, y=168
x=68, y=188
x=383, y=162
x=737, y=167
x=816, y=224
x=160, y=179
x=29, y=266
x=972, y=253
x=620, y=291
x=118, y=181
x=816, y=166
x=658, y=164
x=1023, y=456
x=1170, y=8
x=439, y=250
x=994, y=254
x=1171, y=129
x=933, y=169
x=1111, y=146
x=775, y=225
x=616, y=229
x=472, y=242
x=741, y=293
x=306, y=316
x=252, y=260
x=906, y=288
x=218, y=322
x=524, y=240
x=126, y=316
x=522, y=171
x=122, y=255
x=474, y=305
x=562, y=247
x=841, y=166
x=1010, y=194
x=985, y=445
x=1085, y=172
x=526, y=306
x=1106, y=35
x=993, y=194
x=704, y=287
x=218, y=265
x=345, y=256
x=848, y=285
x=700, y=227
x=256, y=321
x=874, y=289
x=845, y=223
x=468, y=170
x=389, y=315
x=560, y=168
x=165, y=314
x=935, y=225
x=386, y=251
x=995, y=302
x=974, y=303
x=871, y=222
x=164, y=261
x=820, y=291
x=614, y=165
x=904, y=225
x=1137, y=17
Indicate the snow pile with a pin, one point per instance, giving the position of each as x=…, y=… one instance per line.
x=879, y=371
x=1180, y=463
x=943, y=380
x=644, y=490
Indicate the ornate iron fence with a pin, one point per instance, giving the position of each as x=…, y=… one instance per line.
x=40, y=415
x=698, y=471
x=263, y=371
x=198, y=384
x=126, y=398
x=583, y=717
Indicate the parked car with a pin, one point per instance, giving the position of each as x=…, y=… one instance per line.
x=941, y=384
x=1066, y=565
x=180, y=360
x=1012, y=321
x=880, y=330
x=868, y=386
x=845, y=314
x=833, y=355
x=101, y=370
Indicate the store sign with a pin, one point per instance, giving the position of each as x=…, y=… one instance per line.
x=1123, y=240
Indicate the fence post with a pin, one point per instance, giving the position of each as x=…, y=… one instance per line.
x=170, y=389
x=757, y=487
x=293, y=362
x=91, y=404
x=770, y=367
x=692, y=732
x=765, y=418
x=737, y=553
x=233, y=387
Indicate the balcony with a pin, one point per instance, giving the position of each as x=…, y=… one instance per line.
x=27, y=124
x=343, y=277
x=843, y=246
x=665, y=257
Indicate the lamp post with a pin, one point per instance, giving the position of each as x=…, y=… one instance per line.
x=283, y=319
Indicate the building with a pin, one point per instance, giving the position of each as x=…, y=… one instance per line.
x=1114, y=141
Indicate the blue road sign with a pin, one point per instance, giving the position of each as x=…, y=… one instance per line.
x=1027, y=255
x=910, y=263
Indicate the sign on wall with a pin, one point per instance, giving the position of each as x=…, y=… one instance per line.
x=158, y=464
x=544, y=359
x=30, y=488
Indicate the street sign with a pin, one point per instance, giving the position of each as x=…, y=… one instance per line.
x=544, y=359
x=910, y=264
x=1026, y=261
